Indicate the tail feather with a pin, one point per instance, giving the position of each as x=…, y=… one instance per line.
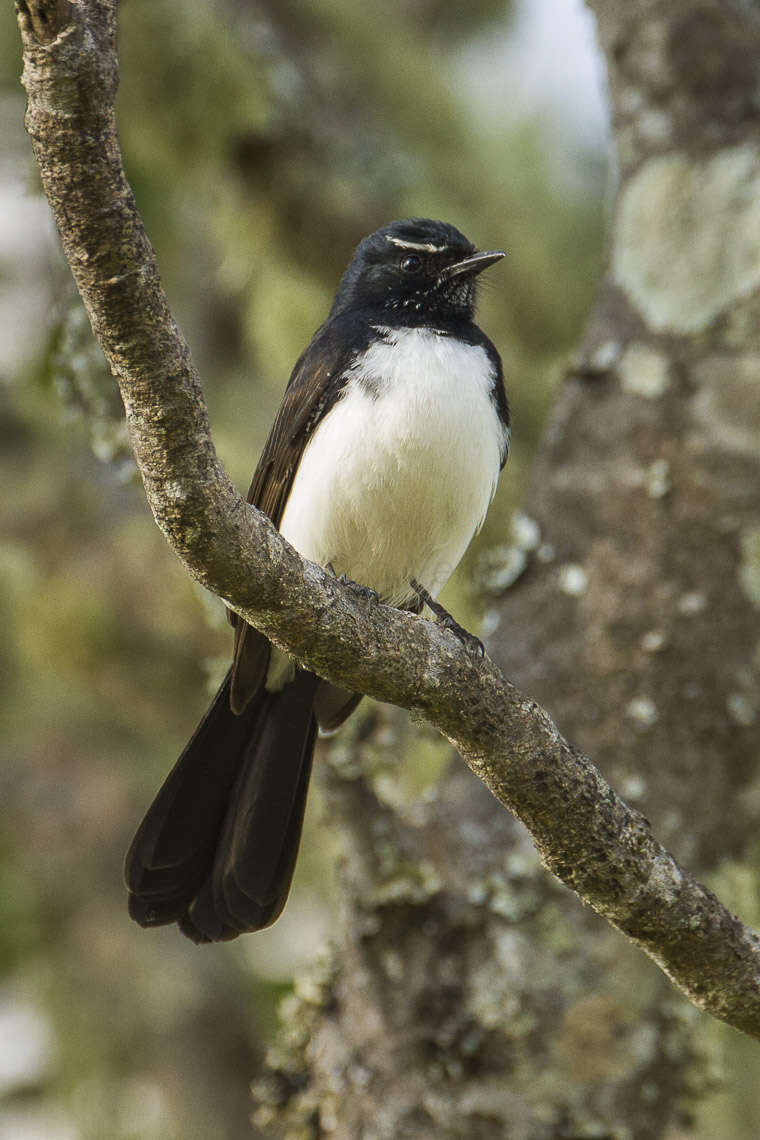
x=217, y=848
x=256, y=855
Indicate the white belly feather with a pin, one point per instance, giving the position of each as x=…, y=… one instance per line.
x=399, y=475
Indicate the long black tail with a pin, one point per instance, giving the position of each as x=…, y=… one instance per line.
x=217, y=848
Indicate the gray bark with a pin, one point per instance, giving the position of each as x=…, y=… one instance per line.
x=453, y=1010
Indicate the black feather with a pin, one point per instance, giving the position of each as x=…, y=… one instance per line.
x=217, y=848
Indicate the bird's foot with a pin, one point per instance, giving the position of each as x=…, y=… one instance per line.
x=444, y=619
x=365, y=592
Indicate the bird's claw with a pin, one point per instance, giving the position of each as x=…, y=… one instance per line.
x=444, y=619
x=365, y=592
x=471, y=643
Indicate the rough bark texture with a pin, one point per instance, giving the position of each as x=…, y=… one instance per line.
x=467, y=996
x=443, y=1017
x=641, y=633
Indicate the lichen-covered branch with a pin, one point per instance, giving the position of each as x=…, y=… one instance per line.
x=586, y=835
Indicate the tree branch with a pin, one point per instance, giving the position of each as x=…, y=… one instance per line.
x=585, y=834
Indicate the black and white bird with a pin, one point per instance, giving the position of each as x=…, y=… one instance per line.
x=380, y=465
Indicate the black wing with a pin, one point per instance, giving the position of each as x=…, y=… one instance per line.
x=314, y=386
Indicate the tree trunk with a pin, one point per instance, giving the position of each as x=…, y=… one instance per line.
x=467, y=993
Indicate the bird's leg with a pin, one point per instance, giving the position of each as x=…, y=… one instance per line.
x=446, y=621
x=363, y=591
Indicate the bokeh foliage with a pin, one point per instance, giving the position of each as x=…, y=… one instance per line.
x=262, y=140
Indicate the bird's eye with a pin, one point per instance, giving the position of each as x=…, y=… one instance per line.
x=411, y=263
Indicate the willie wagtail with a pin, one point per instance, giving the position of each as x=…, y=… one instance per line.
x=381, y=463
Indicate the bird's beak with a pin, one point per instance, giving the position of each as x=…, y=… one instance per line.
x=472, y=265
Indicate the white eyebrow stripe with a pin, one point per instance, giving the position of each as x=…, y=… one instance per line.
x=424, y=246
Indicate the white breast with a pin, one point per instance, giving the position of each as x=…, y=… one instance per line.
x=398, y=476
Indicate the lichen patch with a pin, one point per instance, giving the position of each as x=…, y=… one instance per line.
x=689, y=237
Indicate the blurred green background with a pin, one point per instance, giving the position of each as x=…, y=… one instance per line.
x=262, y=142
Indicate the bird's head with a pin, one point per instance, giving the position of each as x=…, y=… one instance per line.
x=418, y=269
